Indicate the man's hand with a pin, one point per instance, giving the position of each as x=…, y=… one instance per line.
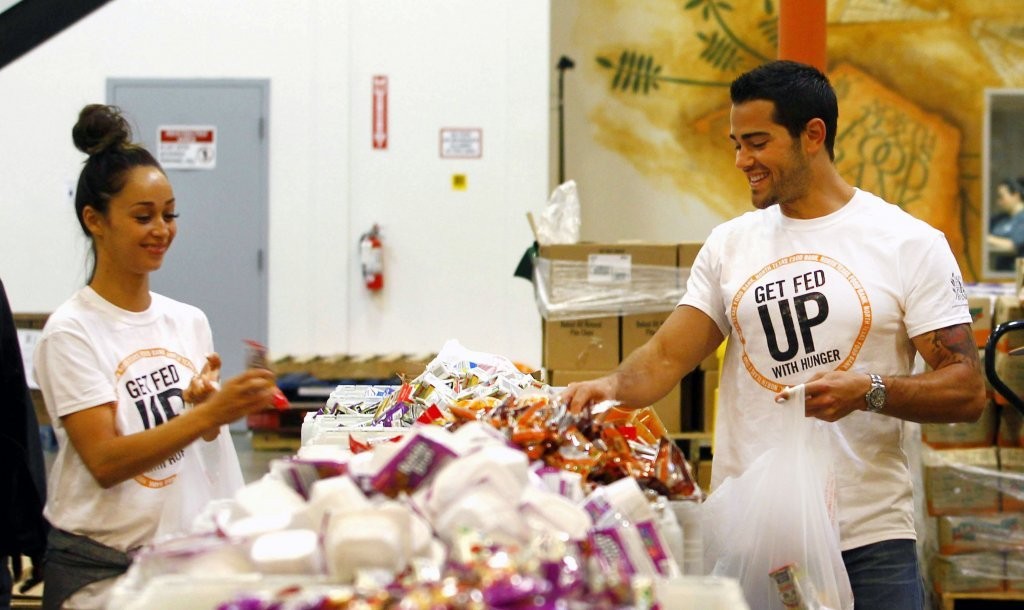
x=833, y=395
x=582, y=394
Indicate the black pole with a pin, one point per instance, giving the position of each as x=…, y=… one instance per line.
x=26, y=25
x=564, y=63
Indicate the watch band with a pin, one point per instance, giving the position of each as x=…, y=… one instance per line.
x=875, y=398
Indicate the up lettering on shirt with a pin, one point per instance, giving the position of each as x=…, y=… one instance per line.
x=150, y=385
x=800, y=314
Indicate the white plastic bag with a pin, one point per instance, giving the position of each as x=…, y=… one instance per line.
x=560, y=221
x=209, y=471
x=781, y=512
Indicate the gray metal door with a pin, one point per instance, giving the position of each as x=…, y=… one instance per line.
x=218, y=260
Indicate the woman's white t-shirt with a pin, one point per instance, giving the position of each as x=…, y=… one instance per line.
x=846, y=291
x=93, y=353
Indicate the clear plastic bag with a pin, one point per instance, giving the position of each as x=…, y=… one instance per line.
x=560, y=221
x=781, y=513
x=209, y=471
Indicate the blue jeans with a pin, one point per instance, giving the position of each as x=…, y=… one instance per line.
x=885, y=576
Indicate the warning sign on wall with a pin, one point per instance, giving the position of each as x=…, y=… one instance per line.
x=380, y=112
x=186, y=146
x=462, y=142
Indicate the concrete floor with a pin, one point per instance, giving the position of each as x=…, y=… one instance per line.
x=255, y=463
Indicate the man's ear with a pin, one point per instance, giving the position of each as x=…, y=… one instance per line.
x=814, y=131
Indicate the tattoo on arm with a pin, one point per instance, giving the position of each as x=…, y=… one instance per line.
x=956, y=343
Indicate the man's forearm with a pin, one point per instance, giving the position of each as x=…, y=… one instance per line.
x=645, y=376
x=951, y=394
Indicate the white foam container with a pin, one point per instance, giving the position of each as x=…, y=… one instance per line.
x=336, y=429
x=699, y=593
x=178, y=591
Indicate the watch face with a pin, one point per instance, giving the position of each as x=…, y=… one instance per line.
x=876, y=398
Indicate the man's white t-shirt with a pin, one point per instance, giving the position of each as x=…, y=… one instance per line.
x=93, y=353
x=846, y=291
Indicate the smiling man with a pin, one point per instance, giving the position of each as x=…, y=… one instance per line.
x=830, y=286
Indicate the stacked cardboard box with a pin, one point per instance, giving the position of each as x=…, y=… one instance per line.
x=586, y=342
x=962, y=492
x=973, y=494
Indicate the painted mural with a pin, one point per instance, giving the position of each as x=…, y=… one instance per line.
x=910, y=76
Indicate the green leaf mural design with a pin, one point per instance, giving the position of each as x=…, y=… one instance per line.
x=770, y=30
x=720, y=52
x=712, y=11
x=638, y=72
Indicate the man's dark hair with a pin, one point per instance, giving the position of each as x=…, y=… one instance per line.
x=1014, y=185
x=798, y=91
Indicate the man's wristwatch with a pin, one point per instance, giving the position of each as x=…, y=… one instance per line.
x=875, y=398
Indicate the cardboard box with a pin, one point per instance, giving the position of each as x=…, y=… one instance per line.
x=574, y=272
x=1015, y=571
x=710, y=399
x=959, y=534
x=687, y=253
x=640, y=253
x=590, y=344
x=704, y=475
x=1011, y=465
x=1011, y=426
x=1007, y=309
x=1009, y=370
x=964, y=435
x=667, y=409
x=974, y=572
x=577, y=268
x=637, y=329
x=982, y=308
x=961, y=481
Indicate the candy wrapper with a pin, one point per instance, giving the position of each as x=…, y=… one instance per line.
x=417, y=458
x=256, y=358
x=461, y=387
x=357, y=400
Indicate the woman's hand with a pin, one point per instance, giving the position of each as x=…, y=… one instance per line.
x=112, y=458
x=205, y=383
x=250, y=391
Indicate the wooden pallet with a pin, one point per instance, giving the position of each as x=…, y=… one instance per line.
x=275, y=441
x=949, y=599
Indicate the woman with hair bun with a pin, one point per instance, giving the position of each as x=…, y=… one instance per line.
x=130, y=382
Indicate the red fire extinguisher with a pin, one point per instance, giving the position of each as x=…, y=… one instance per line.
x=371, y=258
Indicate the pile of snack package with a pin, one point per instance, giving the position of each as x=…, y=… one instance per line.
x=471, y=486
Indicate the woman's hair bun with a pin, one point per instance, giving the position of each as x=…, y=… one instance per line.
x=100, y=128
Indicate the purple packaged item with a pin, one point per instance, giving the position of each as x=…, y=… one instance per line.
x=414, y=463
x=611, y=552
x=655, y=547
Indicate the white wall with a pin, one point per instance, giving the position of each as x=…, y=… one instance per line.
x=449, y=255
x=617, y=201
